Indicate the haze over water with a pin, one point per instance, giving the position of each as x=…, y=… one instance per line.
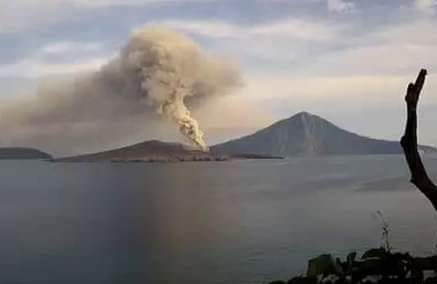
x=227, y=222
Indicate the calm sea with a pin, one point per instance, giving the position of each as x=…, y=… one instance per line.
x=224, y=222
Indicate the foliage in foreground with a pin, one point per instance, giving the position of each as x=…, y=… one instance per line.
x=374, y=266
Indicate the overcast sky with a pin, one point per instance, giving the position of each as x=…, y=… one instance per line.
x=347, y=61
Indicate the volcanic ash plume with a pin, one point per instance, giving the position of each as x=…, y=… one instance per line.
x=158, y=71
x=170, y=68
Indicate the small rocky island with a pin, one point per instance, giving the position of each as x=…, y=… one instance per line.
x=21, y=153
x=157, y=151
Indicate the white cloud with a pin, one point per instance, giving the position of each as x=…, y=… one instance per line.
x=35, y=68
x=426, y=6
x=280, y=41
x=419, y=32
x=82, y=57
x=212, y=29
x=292, y=28
x=29, y=15
x=65, y=47
x=298, y=29
x=102, y=3
x=20, y=15
x=400, y=49
x=340, y=6
x=378, y=59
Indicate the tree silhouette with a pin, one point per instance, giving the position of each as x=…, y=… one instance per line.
x=419, y=176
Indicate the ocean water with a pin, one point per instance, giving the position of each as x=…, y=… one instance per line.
x=224, y=222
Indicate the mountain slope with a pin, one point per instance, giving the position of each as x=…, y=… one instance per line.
x=305, y=134
x=19, y=153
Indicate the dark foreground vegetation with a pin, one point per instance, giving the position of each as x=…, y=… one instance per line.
x=374, y=266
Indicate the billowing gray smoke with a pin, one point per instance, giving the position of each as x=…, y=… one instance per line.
x=169, y=68
x=158, y=71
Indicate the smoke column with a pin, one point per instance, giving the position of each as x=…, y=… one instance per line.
x=170, y=68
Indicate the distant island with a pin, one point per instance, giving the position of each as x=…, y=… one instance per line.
x=302, y=134
x=306, y=134
x=157, y=151
x=21, y=153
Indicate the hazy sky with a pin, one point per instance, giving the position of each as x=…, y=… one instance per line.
x=347, y=61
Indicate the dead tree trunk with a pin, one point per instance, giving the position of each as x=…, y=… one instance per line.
x=419, y=176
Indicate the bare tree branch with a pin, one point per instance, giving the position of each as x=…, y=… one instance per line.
x=419, y=176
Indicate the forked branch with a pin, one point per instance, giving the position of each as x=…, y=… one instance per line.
x=419, y=176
